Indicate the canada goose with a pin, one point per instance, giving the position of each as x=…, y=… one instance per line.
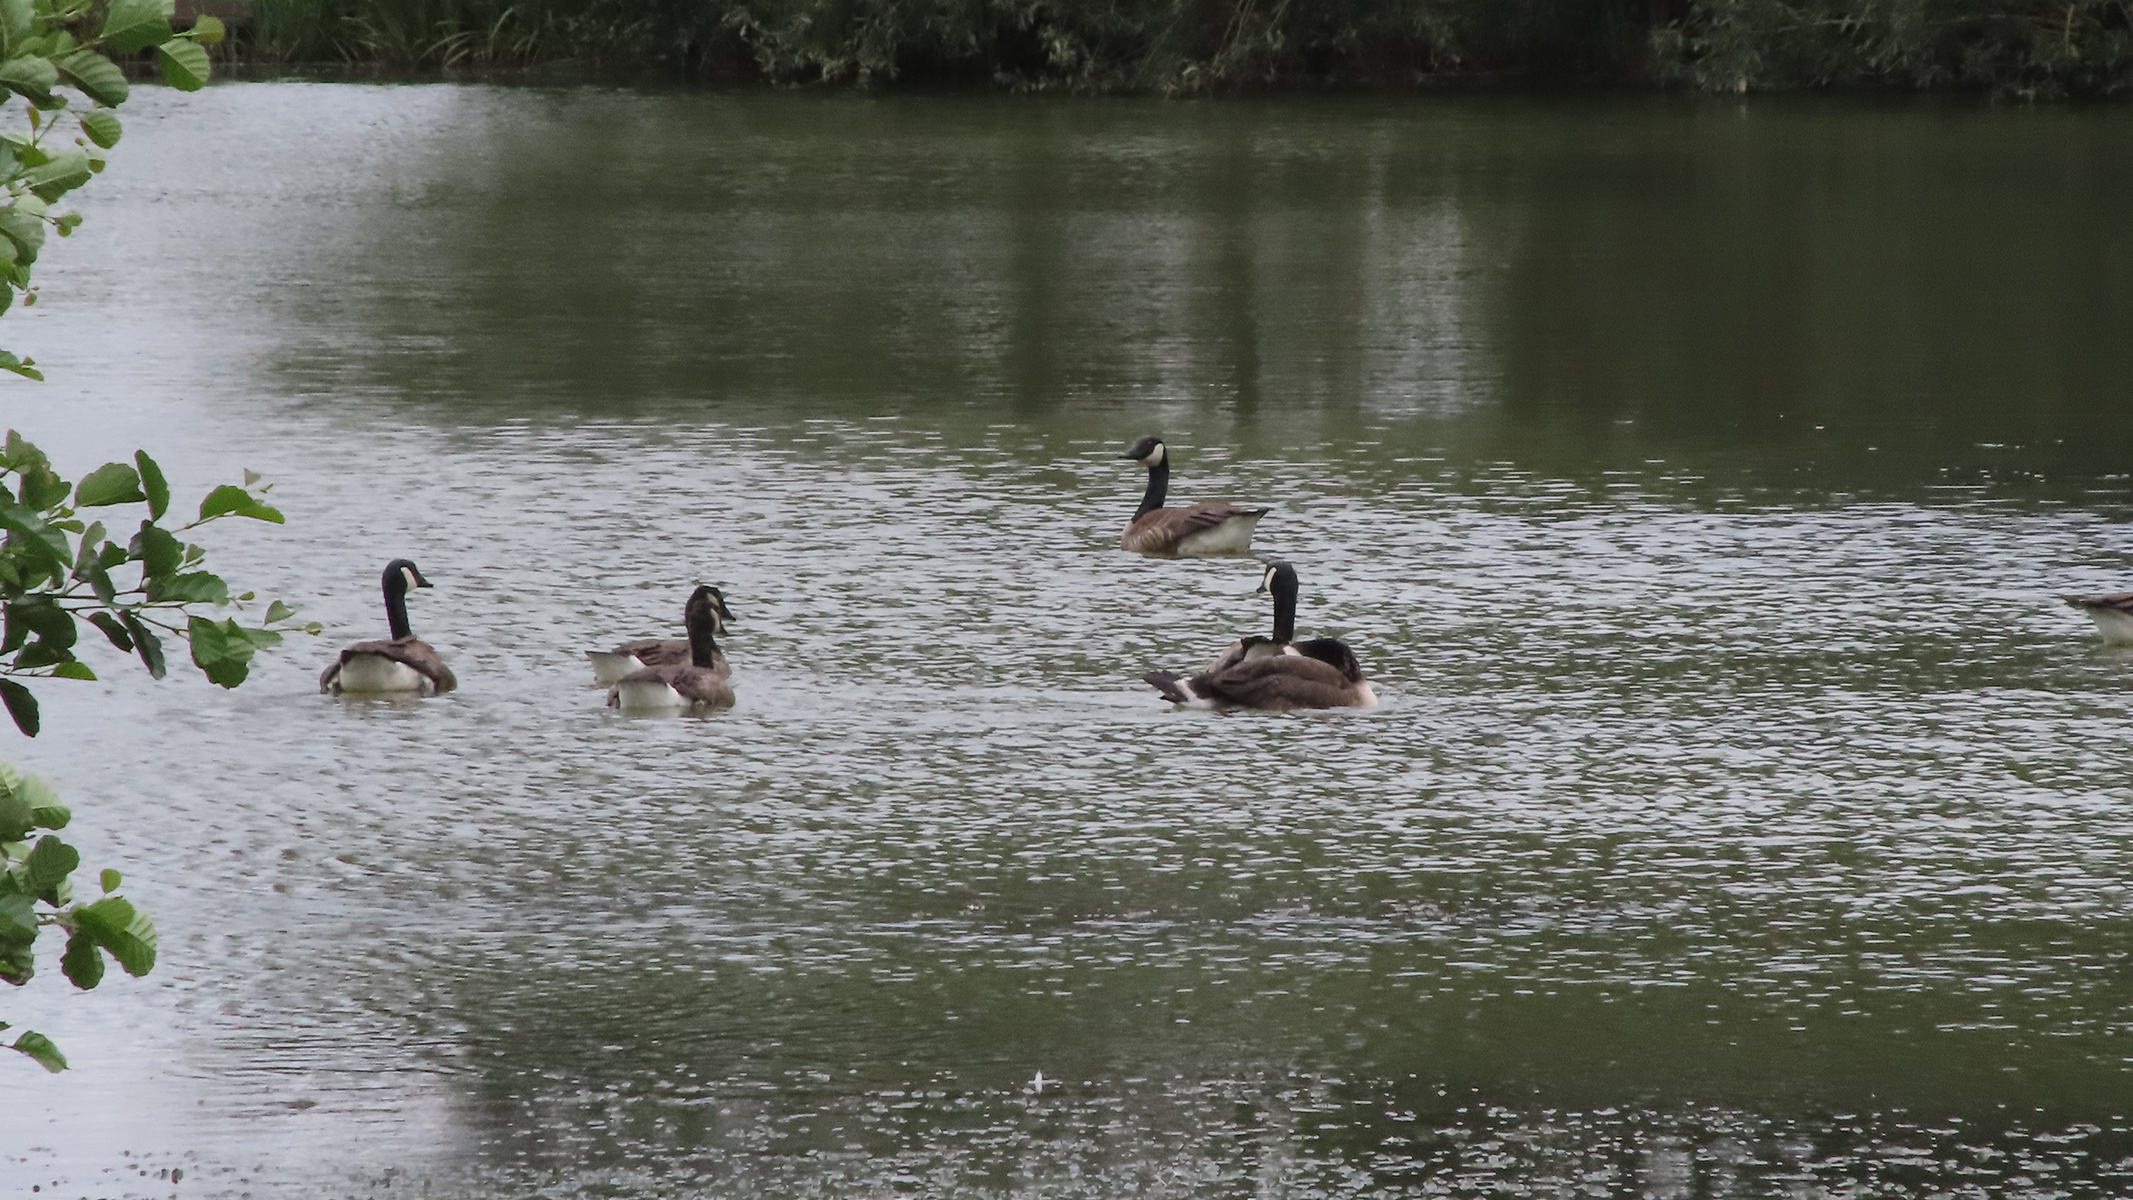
x=1276, y=672
x=403, y=664
x=609, y=666
x=695, y=685
x=1195, y=531
x=2113, y=614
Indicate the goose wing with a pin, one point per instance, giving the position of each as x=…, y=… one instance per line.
x=1333, y=653
x=1279, y=682
x=1245, y=649
x=414, y=652
x=656, y=652
x=670, y=652
x=1161, y=529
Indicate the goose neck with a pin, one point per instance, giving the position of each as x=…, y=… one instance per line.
x=703, y=644
x=1158, y=487
x=1284, y=614
x=396, y=605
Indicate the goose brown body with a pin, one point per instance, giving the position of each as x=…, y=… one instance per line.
x=610, y=666
x=1274, y=683
x=1210, y=527
x=699, y=684
x=1276, y=672
x=401, y=663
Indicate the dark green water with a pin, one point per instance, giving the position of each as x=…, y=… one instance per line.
x=1746, y=816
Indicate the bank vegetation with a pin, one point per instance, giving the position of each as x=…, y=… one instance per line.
x=2010, y=48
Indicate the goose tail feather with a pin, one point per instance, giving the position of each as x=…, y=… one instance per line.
x=1174, y=687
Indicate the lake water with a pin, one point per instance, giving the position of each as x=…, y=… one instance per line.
x=1745, y=816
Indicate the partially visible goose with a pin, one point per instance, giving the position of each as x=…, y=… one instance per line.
x=403, y=664
x=609, y=666
x=1195, y=531
x=2113, y=614
x=693, y=686
x=1277, y=672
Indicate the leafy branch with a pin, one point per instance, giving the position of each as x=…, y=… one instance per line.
x=37, y=893
x=56, y=571
x=49, y=44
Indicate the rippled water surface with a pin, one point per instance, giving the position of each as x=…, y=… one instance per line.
x=1745, y=817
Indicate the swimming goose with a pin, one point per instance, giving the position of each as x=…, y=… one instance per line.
x=403, y=664
x=1195, y=531
x=1277, y=672
x=694, y=686
x=609, y=666
x=2113, y=614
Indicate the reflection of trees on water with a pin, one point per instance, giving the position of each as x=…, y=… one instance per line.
x=1525, y=281
x=1940, y=287
x=844, y=252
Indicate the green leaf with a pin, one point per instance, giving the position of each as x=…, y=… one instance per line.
x=114, y=631
x=134, y=25
x=15, y=18
x=75, y=669
x=277, y=611
x=207, y=30
x=40, y=654
x=158, y=552
x=220, y=650
x=69, y=169
x=99, y=577
x=233, y=501
x=18, y=962
x=20, y=705
x=126, y=932
x=44, y=543
x=102, y=127
x=18, y=918
x=184, y=65
x=193, y=587
x=42, y=487
x=83, y=963
x=31, y=76
x=42, y=616
x=152, y=482
x=15, y=819
x=40, y=1047
x=146, y=643
x=98, y=77
x=50, y=862
x=110, y=879
x=25, y=230
x=112, y=483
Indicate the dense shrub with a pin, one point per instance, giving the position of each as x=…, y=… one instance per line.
x=2027, y=47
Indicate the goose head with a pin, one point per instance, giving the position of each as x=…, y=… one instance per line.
x=1279, y=580
x=1148, y=452
x=707, y=604
x=402, y=574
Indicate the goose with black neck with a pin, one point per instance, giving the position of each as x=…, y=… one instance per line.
x=401, y=665
x=1206, y=529
x=698, y=685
